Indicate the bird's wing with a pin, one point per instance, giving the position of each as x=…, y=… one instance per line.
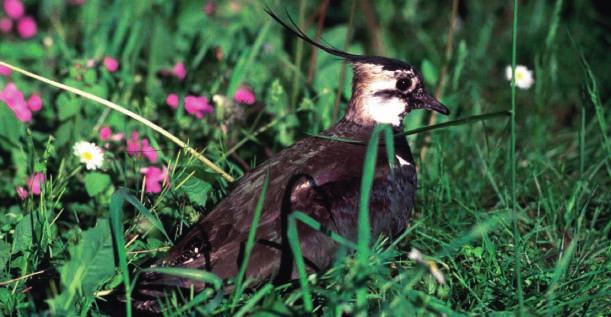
x=300, y=178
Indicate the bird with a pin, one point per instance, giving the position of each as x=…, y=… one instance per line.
x=319, y=176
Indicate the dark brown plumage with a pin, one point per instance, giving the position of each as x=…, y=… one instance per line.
x=318, y=176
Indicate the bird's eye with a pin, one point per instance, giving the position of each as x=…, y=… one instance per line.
x=403, y=83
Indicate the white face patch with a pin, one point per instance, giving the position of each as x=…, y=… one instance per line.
x=383, y=110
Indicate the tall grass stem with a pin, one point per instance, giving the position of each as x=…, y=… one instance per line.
x=298, y=57
x=513, y=161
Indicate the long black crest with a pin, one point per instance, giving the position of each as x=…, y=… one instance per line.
x=386, y=63
x=293, y=28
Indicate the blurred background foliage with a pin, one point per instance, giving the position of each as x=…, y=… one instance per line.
x=461, y=220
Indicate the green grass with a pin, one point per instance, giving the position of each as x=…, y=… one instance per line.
x=513, y=210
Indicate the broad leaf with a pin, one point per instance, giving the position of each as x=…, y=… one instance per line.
x=96, y=183
x=67, y=106
x=23, y=234
x=91, y=264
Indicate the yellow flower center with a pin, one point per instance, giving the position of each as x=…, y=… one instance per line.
x=87, y=156
x=519, y=76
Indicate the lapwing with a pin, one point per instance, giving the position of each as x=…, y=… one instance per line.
x=319, y=176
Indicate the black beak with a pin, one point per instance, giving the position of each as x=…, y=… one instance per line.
x=430, y=103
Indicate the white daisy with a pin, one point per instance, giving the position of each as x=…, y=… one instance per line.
x=89, y=154
x=524, y=76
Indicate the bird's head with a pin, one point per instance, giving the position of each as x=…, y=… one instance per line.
x=384, y=90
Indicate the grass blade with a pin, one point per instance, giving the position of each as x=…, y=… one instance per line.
x=561, y=268
x=116, y=226
x=513, y=161
x=469, y=119
x=295, y=245
x=364, y=227
x=250, y=243
x=124, y=195
x=312, y=223
x=206, y=277
x=293, y=237
x=298, y=56
x=593, y=92
x=247, y=308
x=465, y=120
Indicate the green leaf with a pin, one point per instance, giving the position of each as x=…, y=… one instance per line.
x=91, y=264
x=64, y=133
x=196, y=182
x=23, y=234
x=90, y=76
x=67, y=106
x=96, y=183
x=197, y=190
x=5, y=253
x=20, y=163
x=99, y=90
x=26, y=50
x=11, y=130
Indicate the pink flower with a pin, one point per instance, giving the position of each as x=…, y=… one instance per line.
x=77, y=2
x=245, y=96
x=90, y=63
x=14, y=8
x=35, y=103
x=22, y=193
x=5, y=71
x=111, y=64
x=35, y=183
x=209, y=8
x=197, y=106
x=172, y=101
x=133, y=144
x=179, y=71
x=148, y=151
x=23, y=114
x=105, y=133
x=15, y=101
x=26, y=27
x=136, y=147
x=6, y=25
x=154, y=178
x=117, y=137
